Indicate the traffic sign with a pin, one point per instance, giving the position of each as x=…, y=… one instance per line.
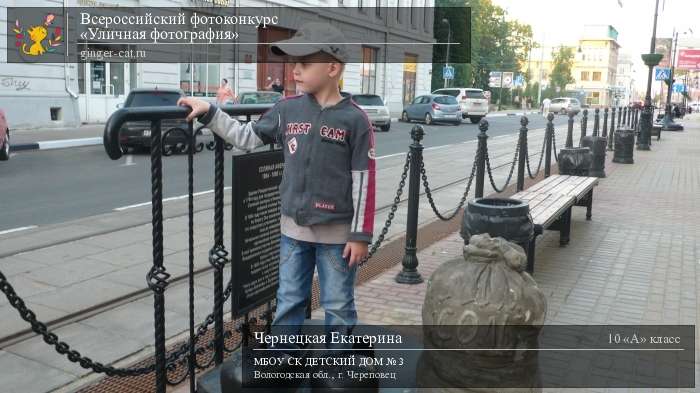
x=448, y=72
x=495, y=79
x=507, y=80
x=678, y=88
x=519, y=81
x=661, y=73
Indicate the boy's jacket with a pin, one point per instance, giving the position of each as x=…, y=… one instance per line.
x=329, y=164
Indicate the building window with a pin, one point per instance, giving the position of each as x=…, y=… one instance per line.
x=199, y=80
x=369, y=70
x=584, y=75
x=596, y=75
x=594, y=98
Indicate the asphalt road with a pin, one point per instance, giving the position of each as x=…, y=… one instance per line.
x=53, y=186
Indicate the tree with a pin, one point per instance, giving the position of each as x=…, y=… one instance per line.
x=496, y=44
x=563, y=61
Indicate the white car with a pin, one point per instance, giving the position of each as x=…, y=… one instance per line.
x=565, y=105
x=377, y=112
x=472, y=102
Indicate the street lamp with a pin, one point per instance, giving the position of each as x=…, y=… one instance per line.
x=651, y=60
x=668, y=123
x=447, y=58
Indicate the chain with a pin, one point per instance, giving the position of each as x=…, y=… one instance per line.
x=464, y=196
x=60, y=346
x=510, y=175
x=175, y=357
x=539, y=165
x=554, y=147
x=390, y=217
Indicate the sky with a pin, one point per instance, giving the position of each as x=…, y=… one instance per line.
x=561, y=22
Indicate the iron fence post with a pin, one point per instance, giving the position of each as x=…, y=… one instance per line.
x=522, y=153
x=596, y=122
x=584, y=125
x=549, y=134
x=605, y=123
x=611, y=136
x=409, y=273
x=481, y=158
x=157, y=277
x=570, y=131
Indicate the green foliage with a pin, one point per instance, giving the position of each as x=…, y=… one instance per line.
x=496, y=44
x=563, y=60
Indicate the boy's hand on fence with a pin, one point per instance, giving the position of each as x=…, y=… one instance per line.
x=357, y=251
x=199, y=107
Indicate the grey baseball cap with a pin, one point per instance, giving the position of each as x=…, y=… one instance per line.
x=314, y=37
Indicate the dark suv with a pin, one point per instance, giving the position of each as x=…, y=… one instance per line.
x=137, y=134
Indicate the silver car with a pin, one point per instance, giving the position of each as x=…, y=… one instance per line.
x=433, y=108
x=377, y=112
x=565, y=105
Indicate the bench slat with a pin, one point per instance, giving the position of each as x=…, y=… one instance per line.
x=551, y=208
x=548, y=183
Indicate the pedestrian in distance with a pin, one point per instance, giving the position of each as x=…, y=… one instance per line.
x=545, y=106
x=328, y=185
x=225, y=93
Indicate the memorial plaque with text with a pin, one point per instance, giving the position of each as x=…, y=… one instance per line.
x=256, y=228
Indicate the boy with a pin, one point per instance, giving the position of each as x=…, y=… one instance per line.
x=328, y=183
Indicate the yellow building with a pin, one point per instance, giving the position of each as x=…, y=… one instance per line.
x=595, y=68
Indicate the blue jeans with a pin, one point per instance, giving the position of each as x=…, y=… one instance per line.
x=336, y=280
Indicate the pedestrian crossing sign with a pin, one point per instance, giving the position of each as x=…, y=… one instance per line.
x=661, y=73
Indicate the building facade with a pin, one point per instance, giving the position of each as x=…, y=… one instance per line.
x=66, y=95
x=625, y=92
x=595, y=68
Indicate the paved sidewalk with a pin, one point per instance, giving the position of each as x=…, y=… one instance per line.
x=67, y=269
x=636, y=262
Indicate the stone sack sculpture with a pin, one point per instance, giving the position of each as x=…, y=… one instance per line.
x=485, y=299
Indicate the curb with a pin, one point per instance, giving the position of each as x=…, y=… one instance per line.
x=56, y=144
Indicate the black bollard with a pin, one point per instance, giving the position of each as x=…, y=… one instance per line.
x=605, y=123
x=619, y=117
x=548, y=134
x=597, y=145
x=596, y=121
x=570, y=131
x=481, y=160
x=624, y=117
x=522, y=142
x=624, y=146
x=409, y=273
x=612, y=130
x=584, y=124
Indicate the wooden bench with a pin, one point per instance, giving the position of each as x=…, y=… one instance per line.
x=551, y=201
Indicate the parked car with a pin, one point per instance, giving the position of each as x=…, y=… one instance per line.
x=565, y=105
x=377, y=112
x=259, y=97
x=473, y=102
x=4, y=137
x=135, y=134
x=433, y=108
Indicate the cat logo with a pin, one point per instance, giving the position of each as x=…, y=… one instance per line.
x=36, y=35
x=292, y=145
